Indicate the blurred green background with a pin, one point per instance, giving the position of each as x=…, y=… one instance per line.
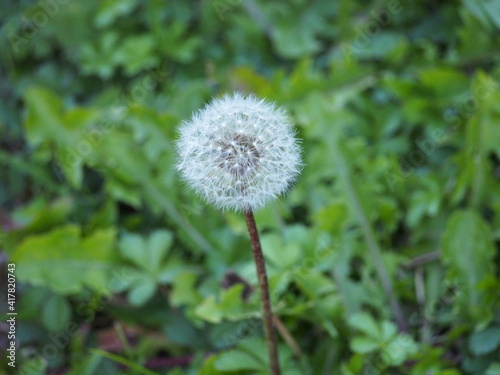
x=122, y=270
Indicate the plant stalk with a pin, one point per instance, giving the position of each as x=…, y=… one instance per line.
x=267, y=314
x=369, y=236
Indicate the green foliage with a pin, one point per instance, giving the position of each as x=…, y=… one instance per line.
x=42, y=263
x=123, y=270
x=468, y=233
x=147, y=256
x=394, y=348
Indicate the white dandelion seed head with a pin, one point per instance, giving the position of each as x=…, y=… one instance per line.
x=239, y=152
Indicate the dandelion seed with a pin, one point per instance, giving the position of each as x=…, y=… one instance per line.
x=251, y=170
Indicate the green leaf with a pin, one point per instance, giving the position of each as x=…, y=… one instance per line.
x=365, y=323
x=66, y=263
x=133, y=247
x=105, y=216
x=178, y=43
x=147, y=253
x=123, y=192
x=136, y=53
x=388, y=330
x=208, y=366
x=97, y=56
x=34, y=366
x=379, y=45
x=158, y=245
x=110, y=10
x=493, y=369
x=184, y=291
x=40, y=216
x=485, y=342
x=232, y=301
x=332, y=217
x=89, y=366
x=142, y=291
x=56, y=313
x=398, y=350
x=294, y=42
x=468, y=252
x=180, y=330
x=492, y=9
x=236, y=360
x=100, y=246
x=45, y=116
x=363, y=344
x=444, y=81
x=209, y=310
x=131, y=364
x=312, y=282
x=280, y=255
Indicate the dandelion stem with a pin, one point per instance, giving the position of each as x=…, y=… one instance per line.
x=264, y=293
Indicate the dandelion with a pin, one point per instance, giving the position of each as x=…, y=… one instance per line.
x=239, y=153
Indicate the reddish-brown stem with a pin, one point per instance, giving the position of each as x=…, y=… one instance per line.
x=264, y=294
